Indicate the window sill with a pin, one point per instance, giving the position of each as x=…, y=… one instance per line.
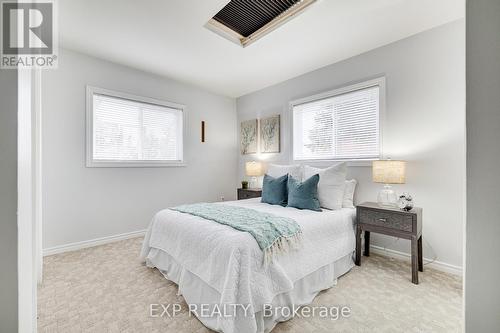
x=132, y=164
x=327, y=163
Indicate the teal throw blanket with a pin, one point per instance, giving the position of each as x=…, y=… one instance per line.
x=274, y=234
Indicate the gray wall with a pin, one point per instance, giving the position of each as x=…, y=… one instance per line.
x=8, y=200
x=424, y=124
x=482, y=291
x=82, y=203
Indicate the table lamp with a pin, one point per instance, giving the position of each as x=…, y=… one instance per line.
x=388, y=172
x=253, y=170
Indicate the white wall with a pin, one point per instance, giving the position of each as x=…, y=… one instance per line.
x=482, y=290
x=425, y=125
x=86, y=203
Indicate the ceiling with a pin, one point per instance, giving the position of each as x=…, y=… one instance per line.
x=168, y=37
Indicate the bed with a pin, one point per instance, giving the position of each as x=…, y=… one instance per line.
x=217, y=267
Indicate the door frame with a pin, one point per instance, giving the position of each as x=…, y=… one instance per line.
x=29, y=197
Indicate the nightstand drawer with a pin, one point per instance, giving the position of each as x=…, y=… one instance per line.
x=387, y=219
x=249, y=193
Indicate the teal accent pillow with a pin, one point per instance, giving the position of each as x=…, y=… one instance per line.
x=304, y=195
x=274, y=190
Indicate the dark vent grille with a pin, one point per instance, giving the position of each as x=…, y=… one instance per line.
x=247, y=16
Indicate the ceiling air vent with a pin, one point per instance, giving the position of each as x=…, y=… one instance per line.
x=245, y=21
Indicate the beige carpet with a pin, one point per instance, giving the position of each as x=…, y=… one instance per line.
x=106, y=289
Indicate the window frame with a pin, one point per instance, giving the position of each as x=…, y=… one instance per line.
x=93, y=163
x=380, y=82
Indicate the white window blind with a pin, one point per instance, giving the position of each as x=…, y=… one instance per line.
x=125, y=130
x=343, y=126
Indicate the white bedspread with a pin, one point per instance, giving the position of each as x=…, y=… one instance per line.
x=231, y=262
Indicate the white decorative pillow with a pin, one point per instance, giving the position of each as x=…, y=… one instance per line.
x=294, y=170
x=350, y=186
x=331, y=184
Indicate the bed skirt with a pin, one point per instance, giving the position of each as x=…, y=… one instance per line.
x=197, y=293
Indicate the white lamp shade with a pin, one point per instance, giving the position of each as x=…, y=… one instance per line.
x=389, y=172
x=254, y=169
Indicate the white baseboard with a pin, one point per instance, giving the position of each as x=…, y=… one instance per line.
x=438, y=265
x=93, y=242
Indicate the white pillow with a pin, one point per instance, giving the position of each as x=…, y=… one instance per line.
x=331, y=184
x=294, y=170
x=350, y=186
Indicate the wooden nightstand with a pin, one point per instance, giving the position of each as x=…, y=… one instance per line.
x=247, y=193
x=393, y=222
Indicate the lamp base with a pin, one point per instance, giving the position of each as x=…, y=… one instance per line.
x=387, y=197
x=253, y=183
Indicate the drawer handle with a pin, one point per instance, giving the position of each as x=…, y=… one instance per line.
x=382, y=219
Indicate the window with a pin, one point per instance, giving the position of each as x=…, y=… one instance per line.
x=339, y=125
x=126, y=131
